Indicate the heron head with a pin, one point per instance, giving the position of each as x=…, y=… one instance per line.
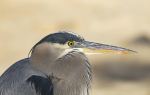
x=67, y=42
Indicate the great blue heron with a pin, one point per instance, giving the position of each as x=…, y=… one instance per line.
x=57, y=66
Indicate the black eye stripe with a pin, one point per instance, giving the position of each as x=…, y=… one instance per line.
x=61, y=38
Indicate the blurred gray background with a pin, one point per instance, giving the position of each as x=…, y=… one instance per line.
x=123, y=23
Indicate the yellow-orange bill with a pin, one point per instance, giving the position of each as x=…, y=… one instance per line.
x=102, y=51
x=97, y=48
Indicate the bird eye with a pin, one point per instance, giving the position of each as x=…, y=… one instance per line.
x=70, y=43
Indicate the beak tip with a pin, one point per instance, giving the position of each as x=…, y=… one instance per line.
x=129, y=52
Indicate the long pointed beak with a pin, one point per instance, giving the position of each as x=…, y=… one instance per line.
x=97, y=48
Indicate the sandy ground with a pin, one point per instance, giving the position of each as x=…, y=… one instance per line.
x=117, y=22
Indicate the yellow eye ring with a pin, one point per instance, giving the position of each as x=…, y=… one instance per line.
x=70, y=43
